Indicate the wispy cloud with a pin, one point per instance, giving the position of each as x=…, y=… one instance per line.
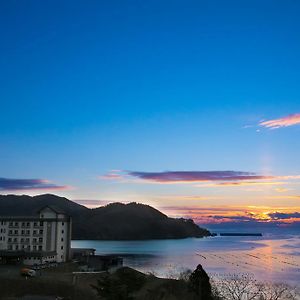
x=92, y=203
x=287, y=121
x=186, y=197
x=113, y=175
x=197, y=176
x=8, y=184
x=232, y=218
x=244, y=183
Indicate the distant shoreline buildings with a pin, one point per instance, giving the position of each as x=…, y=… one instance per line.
x=36, y=239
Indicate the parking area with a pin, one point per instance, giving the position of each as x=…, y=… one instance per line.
x=49, y=281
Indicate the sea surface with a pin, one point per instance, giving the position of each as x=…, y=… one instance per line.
x=271, y=258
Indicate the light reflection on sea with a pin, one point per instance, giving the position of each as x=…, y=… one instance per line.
x=266, y=258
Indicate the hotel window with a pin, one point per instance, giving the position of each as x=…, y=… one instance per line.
x=62, y=239
x=41, y=223
x=40, y=248
x=62, y=247
x=62, y=231
x=10, y=232
x=28, y=224
x=16, y=232
x=16, y=224
x=41, y=231
x=40, y=240
x=15, y=240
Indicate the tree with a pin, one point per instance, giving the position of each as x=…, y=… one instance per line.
x=199, y=283
x=245, y=287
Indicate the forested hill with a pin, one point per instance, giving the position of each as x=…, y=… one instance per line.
x=115, y=221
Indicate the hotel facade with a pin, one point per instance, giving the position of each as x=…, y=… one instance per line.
x=38, y=239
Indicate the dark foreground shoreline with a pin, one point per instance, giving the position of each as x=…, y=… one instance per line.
x=65, y=282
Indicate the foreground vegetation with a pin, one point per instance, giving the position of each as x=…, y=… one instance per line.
x=245, y=287
x=128, y=284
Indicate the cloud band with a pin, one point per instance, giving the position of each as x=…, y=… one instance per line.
x=7, y=184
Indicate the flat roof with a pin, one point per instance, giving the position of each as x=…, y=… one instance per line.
x=31, y=218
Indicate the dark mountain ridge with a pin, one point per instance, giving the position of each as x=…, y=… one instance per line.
x=115, y=221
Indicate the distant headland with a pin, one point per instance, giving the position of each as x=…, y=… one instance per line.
x=114, y=221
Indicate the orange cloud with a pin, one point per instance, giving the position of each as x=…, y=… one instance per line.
x=284, y=197
x=242, y=183
x=287, y=121
x=238, y=214
x=281, y=190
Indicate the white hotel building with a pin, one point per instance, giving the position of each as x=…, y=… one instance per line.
x=36, y=240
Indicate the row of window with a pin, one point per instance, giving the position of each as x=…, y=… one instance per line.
x=25, y=224
x=27, y=231
x=38, y=258
x=24, y=247
x=25, y=240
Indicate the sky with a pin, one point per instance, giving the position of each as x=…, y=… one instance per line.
x=192, y=107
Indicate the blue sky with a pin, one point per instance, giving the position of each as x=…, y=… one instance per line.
x=92, y=86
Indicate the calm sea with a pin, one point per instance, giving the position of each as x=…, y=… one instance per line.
x=268, y=258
